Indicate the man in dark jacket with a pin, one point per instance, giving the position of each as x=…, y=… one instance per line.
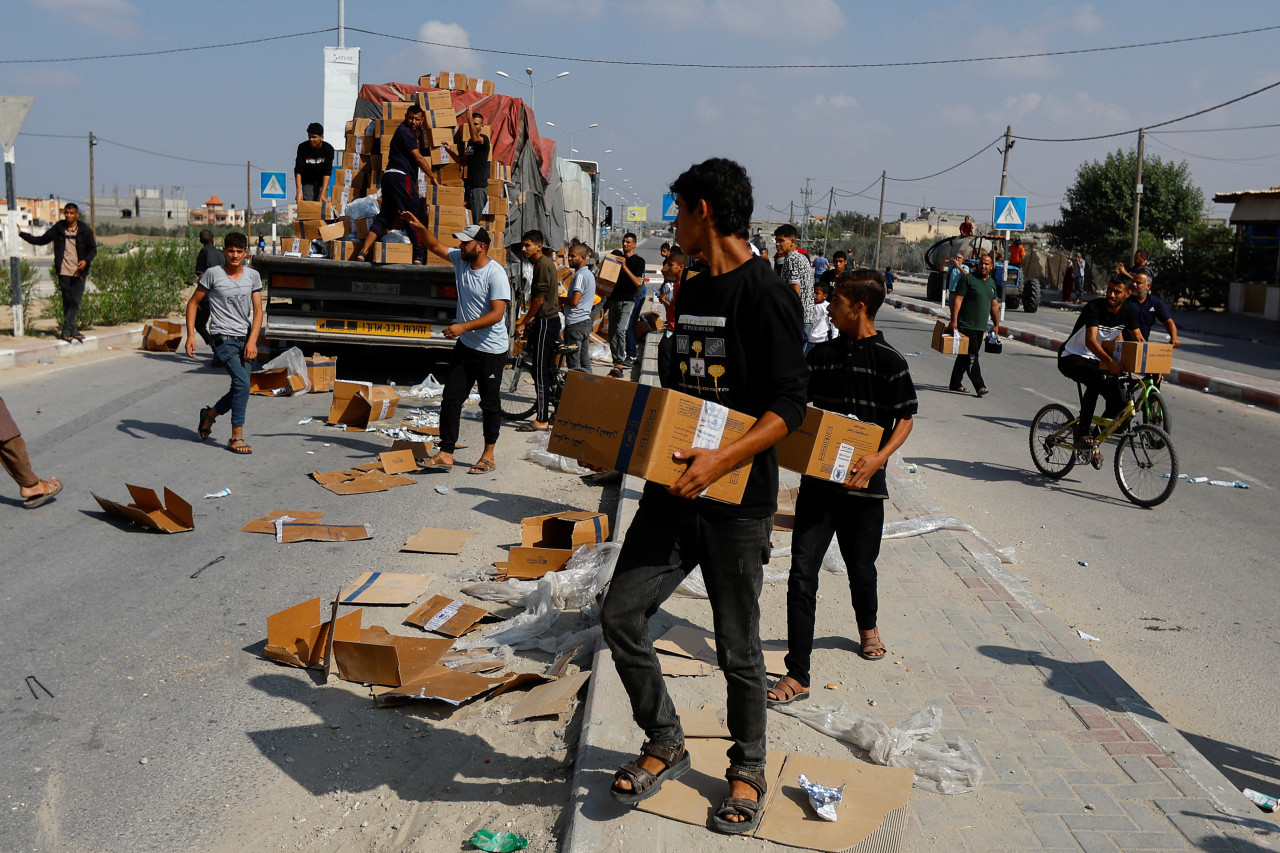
x=73, y=251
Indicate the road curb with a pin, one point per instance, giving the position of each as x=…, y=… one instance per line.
x=38, y=351
x=1225, y=383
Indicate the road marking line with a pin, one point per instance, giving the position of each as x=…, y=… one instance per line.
x=1253, y=481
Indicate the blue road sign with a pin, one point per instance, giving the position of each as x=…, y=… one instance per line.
x=1010, y=213
x=273, y=184
x=669, y=207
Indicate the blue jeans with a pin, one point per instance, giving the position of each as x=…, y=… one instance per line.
x=665, y=541
x=236, y=400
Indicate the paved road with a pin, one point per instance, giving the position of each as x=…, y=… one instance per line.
x=1175, y=593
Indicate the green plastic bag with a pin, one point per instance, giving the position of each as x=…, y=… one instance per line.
x=498, y=842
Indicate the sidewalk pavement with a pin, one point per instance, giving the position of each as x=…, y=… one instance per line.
x=1073, y=757
x=15, y=352
x=1227, y=383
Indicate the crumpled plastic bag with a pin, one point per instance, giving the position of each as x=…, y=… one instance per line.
x=577, y=586
x=538, y=453
x=599, y=352
x=943, y=767
x=363, y=208
x=427, y=388
x=396, y=236
x=295, y=362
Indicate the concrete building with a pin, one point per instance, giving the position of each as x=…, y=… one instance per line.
x=1255, y=276
x=34, y=216
x=144, y=207
x=933, y=223
x=214, y=212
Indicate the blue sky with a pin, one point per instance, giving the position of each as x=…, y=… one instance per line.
x=839, y=127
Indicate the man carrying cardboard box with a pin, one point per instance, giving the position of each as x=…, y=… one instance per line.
x=481, y=340
x=737, y=344
x=472, y=152
x=622, y=302
x=312, y=165
x=234, y=294
x=400, y=184
x=856, y=374
x=974, y=300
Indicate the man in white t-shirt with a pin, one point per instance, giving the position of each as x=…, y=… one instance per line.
x=480, y=332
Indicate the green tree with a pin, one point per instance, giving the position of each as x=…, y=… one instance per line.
x=1097, y=219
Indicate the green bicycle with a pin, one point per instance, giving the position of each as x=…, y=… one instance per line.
x=1146, y=463
x=1149, y=403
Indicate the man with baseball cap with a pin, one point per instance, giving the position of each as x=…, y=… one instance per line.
x=481, y=344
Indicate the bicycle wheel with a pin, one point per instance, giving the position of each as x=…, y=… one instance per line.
x=1146, y=465
x=517, y=394
x=1156, y=413
x=1051, y=441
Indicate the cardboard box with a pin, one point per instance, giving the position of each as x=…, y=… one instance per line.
x=447, y=616
x=317, y=210
x=436, y=102
x=294, y=530
x=276, y=382
x=392, y=253
x=452, y=80
x=357, y=404
x=444, y=197
x=172, y=516
x=322, y=370
x=359, y=127
x=379, y=657
x=610, y=268
x=308, y=228
x=634, y=428
x=299, y=635
x=334, y=230
x=431, y=540
x=498, y=206
x=947, y=344
x=361, y=480
x=355, y=160
x=826, y=444
x=1144, y=357
x=161, y=336
x=395, y=110
x=295, y=246
x=441, y=119
x=484, y=87
x=548, y=541
x=266, y=524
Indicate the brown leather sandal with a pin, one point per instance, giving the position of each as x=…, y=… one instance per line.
x=871, y=648
x=645, y=784
x=749, y=809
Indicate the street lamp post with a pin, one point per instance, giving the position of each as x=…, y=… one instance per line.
x=572, y=132
x=532, y=85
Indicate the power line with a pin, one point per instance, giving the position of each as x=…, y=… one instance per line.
x=1244, y=160
x=135, y=148
x=170, y=50
x=1217, y=129
x=1160, y=124
x=949, y=168
x=816, y=66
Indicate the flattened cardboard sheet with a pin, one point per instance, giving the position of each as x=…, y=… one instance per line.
x=441, y=684
x=360, y=482
x=678, y=666
x=700, y=645
x=447, y=616
x=420, y=449
x=550, y=698
x=386, y=588
x=473, y=660
x=434, y=540
x=398, y=461
x=291, y=530
x=691, y=798
x=266, y=524
x=298, y=635
x=172, y=516
x=707, y=721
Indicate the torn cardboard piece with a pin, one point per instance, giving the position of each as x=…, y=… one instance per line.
x=276, y=382
x=434, y=540
x=399, y=461
x=691, y=798
x=447, y=616
x=379, y=657
x=421, y=450
x=678, y=666
x=291, y=530
x=358, y=404
x=701, y=645
x=548, y=541
x=360, y=480
x=297, y=636
x=473, y=660
x=161, y=336
x=266, y=524
x=707, y=721
x=441, y=684
x=386, y=588
x=549, y=699
x=172, y=516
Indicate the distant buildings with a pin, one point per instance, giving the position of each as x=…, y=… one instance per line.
x=1255, y=276
x=930, y=222
x=215, y=212
x=142, y=207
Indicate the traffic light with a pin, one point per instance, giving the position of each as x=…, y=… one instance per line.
x=608, y=217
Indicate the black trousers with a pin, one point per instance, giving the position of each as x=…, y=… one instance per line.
x=542, y=337
x=468, y=368
x=968, y=363
x=857, y=524
x=1096, y=382
x=72, y=289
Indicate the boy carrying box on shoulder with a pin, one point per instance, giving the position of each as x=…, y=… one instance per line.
x=857, y=374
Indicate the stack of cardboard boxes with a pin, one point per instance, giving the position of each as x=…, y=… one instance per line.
x=443, y=208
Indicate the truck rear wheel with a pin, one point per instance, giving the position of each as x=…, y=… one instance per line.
x=1031, y=296
x=1012, y=302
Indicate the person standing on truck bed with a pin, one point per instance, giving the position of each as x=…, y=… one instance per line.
x=481, y=339
x=313, y=165
x=540, y=327
x=400, y=184
x=474, y=157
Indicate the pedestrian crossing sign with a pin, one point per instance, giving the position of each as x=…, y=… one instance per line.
x=272, y=185
x=669, y=210
x=1010, y=213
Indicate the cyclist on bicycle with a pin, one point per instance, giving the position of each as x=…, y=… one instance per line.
x=1087, y=358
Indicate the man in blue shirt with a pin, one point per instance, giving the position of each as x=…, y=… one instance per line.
x=1151, y=308
x=481, y=342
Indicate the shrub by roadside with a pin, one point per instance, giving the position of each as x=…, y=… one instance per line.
x=133, y=282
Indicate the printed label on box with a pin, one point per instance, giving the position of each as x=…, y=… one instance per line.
x=711, y=423
x=840, y=468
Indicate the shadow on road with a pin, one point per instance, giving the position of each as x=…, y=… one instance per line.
x=1091, y=680
x=1020, y=424
x=1244, y=767
x=144, y=429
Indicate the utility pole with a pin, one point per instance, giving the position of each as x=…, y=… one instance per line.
x=791, y=217
x=93, y=208
x=806, y=194
x=826, y=235
x=1004, y=167
x=1137, y=188
x=248, y=197
x=875, y=264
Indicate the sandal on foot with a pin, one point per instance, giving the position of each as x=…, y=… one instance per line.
x=482, y=466
x=529, y=427
x=787, y=690
x=960, y=390
x=749, y=809
x=50, y=488
x=239, y=445
x=871, y=648
x=435, y=462
x=207, y=416
x=645, y=784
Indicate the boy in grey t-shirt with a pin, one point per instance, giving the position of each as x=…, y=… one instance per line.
x=577, y=308
x=233, y=294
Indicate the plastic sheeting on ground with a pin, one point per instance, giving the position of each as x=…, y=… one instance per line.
x=539, y=454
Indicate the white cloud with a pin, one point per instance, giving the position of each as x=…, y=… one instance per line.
x=439, y=58
x=797, y=21
x=1015, y=107
x=1086, y=20
x=107, y=16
